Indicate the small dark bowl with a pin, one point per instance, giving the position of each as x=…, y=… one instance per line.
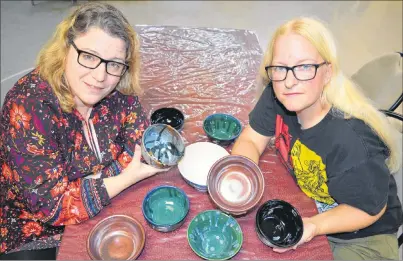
x=170, y=116
x=117, y=237
x=278, y=224
x=165, y=208
x=221, y=128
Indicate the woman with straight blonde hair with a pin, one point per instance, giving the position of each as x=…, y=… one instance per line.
x=70, y=132
x=340, y=149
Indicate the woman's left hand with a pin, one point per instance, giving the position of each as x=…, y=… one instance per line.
x=309, y=233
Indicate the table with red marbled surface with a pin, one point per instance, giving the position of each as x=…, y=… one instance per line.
x=200, y=71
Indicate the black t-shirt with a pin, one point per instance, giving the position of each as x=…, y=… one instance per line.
x=338, y=161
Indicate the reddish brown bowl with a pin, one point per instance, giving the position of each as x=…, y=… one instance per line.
x=235, y=184
x=116, y=237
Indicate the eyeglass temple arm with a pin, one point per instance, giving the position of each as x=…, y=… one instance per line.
x=397, y=103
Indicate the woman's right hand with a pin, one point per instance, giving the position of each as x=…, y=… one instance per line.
x=310, y=231
x=136, y=170
x=133, y=173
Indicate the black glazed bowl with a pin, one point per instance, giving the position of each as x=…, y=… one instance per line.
x=278, y=224
x=169, y=116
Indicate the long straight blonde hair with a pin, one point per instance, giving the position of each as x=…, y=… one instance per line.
x=51, y=60
x=340, y=92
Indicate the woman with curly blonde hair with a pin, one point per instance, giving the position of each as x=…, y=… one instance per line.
x=70, y=132
x=338, y=146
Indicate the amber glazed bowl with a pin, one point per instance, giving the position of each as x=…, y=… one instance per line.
x=116, y=237
x=235, y=184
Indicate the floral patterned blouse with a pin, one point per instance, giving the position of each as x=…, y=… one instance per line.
x=45, y=154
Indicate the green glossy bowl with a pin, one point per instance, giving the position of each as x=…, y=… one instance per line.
x=221, y=128
x=165, y=208
x=214, y=235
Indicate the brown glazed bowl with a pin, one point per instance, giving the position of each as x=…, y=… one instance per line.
x=235, y=184
x=117, y=237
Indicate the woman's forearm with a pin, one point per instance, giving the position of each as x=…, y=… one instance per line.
x=246, y=148
x=116, y=184
x=343, y=218
x=250, y=144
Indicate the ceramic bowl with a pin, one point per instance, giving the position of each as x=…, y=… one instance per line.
x=214, y=235
x=222, y=128
x=162, y=146
x=196, y=186
x=235, y=184
x=165, y=208
x=278, y=224
x=198, y=159
x=116, y=237
x=169, y=116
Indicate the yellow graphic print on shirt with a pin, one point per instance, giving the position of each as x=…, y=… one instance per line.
x=311, y=173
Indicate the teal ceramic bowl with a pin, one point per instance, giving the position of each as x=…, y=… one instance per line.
x=214, y=235
x=165, y=208
x=221, y=128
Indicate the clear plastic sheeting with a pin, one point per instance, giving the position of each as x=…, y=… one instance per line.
x=200, y=71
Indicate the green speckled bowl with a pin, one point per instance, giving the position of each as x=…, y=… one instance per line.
x=214, y=235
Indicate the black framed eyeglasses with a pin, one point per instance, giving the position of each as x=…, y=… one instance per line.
x=302, y=72
x=92, y=61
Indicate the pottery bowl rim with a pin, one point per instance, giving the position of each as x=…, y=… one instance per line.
x=236, y=120
x=155, y=189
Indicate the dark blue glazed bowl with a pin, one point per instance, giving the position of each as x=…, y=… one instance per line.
x=165, y=208
x=278, y=224
x=221, y=128
x=162, y=146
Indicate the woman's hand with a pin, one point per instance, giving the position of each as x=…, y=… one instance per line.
x=133, y=173
x=136, y=170
x=310, y=231
x=340, y=219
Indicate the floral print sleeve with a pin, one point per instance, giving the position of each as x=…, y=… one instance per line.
x=133, y=123
x=47, y=154
x=40, y=169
